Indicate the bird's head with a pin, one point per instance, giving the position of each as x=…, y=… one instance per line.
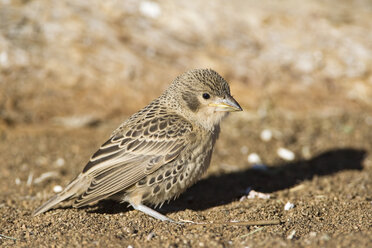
x=203, y=96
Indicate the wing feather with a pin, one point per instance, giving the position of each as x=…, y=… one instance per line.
x=129, y=156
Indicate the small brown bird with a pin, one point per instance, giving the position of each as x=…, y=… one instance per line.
x=159, y=151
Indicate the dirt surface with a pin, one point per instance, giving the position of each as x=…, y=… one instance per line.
x=71, y=72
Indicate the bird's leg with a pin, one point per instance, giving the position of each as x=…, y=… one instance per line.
x=151, y=212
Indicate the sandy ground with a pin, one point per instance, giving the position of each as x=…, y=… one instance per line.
x=330, y=189
x=72, y=71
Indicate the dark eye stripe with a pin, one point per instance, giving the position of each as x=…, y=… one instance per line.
x=191, y=100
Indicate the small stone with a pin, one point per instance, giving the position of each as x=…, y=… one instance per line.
x=266, y=135
x=242, y=198
x=325, y=237
x=254, y=194
x=29, y=179
x=17, y=181
x=286, y=154
x=150, y=9
x=4, y=62
x=253, y=158
x=291, y=235
x=57, y=189
x=288, y=206
x=150, y=236
x=60, y=162
x=306, y=152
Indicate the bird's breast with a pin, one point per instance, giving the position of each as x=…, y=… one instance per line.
x=174, y=178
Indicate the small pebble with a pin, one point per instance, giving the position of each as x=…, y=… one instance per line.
x=253, y=158
x=254, y=194
x=291, y=235
x=60, y=162
x=150, y=236
x=285, y=154
x=266, y=135
x=150, y=9
x=17, y=181
x=288, y=206
x=29, y=179
x=325, y=237
x=4, y=59
x=57, y=189
x=306, y=152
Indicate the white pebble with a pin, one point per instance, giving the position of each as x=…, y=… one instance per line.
x=285, y=154
x=150, y=9
x=254, y=194
x=288, y=206
x=242, y=198
x=150, y=236
x=325, y=237
x=57, y=189
x=253, y=158
x=129, y=246
x=306, y=152
x=29, y=179
x=291, y=235
x=4, y=59
x=266, y=135
x=17, y=181
x=60, y=162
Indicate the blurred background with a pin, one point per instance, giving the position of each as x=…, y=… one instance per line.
x=102, y=58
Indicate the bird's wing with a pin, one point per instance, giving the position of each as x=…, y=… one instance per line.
x=131, y=154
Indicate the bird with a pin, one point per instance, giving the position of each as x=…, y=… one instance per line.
x=158, y=152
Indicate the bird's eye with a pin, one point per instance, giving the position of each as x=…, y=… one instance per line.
x=206, y=96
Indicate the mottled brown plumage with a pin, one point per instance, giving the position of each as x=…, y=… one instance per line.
x=159, y=151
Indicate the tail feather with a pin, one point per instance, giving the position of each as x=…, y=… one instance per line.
x=49, y=204
x=74, y=188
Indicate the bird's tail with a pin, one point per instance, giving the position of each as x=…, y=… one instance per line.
x=72, y=190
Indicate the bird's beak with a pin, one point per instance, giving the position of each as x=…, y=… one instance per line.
x=228, y=104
